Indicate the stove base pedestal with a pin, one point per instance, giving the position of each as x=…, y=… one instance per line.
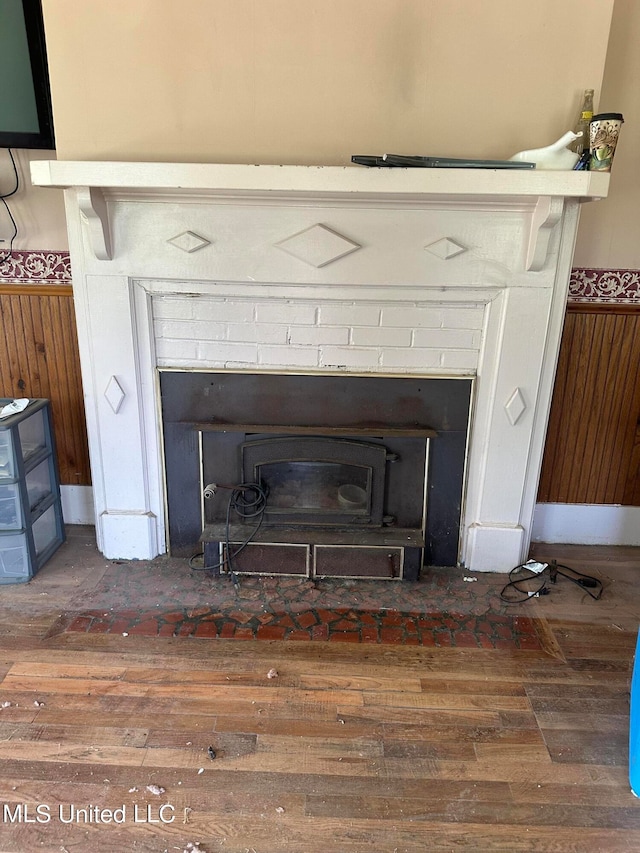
x=383, y=554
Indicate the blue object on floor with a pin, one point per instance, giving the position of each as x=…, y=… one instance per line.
x=634, y=725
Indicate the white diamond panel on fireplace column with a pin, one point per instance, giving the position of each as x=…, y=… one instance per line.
x=121, y=432
x=515, y=407
x=502, y=482
x=114, y=395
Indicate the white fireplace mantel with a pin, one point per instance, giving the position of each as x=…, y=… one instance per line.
x=528, y=188
x=409, y=272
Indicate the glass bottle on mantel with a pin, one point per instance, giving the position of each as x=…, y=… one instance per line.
x=582, y=124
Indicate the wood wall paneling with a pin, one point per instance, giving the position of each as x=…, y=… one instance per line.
x=592, y=453
x=39, y=358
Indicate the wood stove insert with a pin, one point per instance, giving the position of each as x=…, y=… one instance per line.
x=318, y=480
x=362, y=475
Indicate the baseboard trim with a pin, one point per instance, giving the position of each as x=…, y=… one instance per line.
x=586, y=524
x=77, y=504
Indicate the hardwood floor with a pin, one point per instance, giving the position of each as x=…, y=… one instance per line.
x=350, y=748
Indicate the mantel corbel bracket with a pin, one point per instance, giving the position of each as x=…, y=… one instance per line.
x=93, y=208
x=545, y=216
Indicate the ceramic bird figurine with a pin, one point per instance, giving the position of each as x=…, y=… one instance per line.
x=554, y=156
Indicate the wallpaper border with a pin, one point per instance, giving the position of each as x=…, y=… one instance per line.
x=605, y=286
x=38, y=267
x=585, y=285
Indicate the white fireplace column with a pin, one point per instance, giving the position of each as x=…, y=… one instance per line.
x=437, y=273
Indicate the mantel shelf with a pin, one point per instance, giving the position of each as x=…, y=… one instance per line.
x=353, y=182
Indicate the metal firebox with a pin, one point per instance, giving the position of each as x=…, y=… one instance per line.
x=318, y=480
x=365, y=482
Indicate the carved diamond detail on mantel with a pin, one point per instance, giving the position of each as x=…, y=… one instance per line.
x=189, y=241
x=318, y=246
x=445, y=248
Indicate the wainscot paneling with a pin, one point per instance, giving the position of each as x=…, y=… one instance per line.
x=39, y=358
x=592, y=453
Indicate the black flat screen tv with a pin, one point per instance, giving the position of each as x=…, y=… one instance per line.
x=25, y=103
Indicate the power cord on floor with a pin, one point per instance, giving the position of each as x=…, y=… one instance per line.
x=248, y=501
x=520, y=587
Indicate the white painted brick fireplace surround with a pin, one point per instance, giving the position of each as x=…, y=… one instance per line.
x=434, y=273
x=336, y=335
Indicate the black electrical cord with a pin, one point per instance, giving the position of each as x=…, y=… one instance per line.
x=519, y=589
x=3, y=198
x=248, y=501
x=592, y=586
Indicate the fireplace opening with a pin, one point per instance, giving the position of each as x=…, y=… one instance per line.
x=311, y=480
x=359, y=476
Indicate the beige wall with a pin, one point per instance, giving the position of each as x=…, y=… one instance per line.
x=609, y=234
x=38, y=212
x=315, y=81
